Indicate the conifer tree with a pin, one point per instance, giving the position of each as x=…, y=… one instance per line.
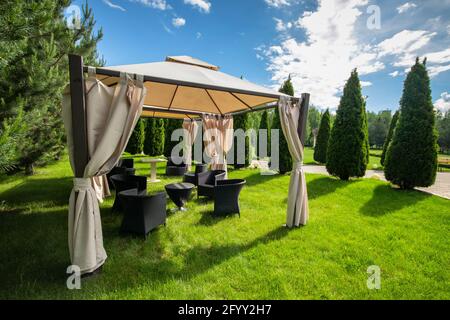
x=411, y=159
x=389, y=136
x=348, y=147
x=323, y=137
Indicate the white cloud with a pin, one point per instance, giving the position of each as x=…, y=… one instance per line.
x=155, y=4
x=443, y=104
x=278, y=3
x=405, y=42
x=202, y=5
x=281, y=25
x=394, y=74
x=433, y=71
x=114, y=6
x=366, y=83
x=178, y=22
x=405, y=7
x=322, y=63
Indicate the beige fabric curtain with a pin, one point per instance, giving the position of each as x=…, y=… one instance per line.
x=297, y=211
x=211, y=138
x=225, y=141
x=190, y=132
x=112, y=113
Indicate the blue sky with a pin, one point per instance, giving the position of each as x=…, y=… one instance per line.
x=317, y=41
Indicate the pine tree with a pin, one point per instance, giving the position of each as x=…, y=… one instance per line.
x=285, y=155
x=348, y=147
x=389, y=136
x=154, y=137
x=34, y=43
x=171, y=126
x=136, y=143
x=265, y=125
x=320, y=151
x=411, y=159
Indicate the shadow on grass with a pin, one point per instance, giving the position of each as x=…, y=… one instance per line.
x=257, y=178
x=325, y=185
x=33, y=250
x=386, y=200
x=39, y=190
x=199, y=259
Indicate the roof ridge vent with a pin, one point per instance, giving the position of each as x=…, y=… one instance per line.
x=192, y=61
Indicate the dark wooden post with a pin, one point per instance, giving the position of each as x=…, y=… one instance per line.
x=77, y=94
x=304, y=108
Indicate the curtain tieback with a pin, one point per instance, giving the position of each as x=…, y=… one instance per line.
x=298, y=165
x=82, y=184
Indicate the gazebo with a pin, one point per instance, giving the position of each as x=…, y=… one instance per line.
x=101, y=110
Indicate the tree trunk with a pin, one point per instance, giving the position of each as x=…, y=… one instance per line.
x=29, y=169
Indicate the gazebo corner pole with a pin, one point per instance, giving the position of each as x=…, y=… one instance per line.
x=304, y=108
x=78, y=106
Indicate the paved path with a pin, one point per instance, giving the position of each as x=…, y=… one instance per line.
x=441, y=188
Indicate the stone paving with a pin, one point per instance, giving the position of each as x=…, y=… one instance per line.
x=441, y=188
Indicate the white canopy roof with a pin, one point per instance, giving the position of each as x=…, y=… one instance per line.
x=184, y=86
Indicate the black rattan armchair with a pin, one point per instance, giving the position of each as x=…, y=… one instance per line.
x=207, y=181
x=226, y=200
x=124, y=182
x=126, y=163
x=125, y=166
x=142, y=213
x=176, y=168
x=192, y=177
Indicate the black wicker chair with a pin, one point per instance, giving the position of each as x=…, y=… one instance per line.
x=126, y=163
x=192, y=177
x=124, y=182
x=142, y=213
x=207, y=181
x=125, y=166
x=226, y=200
x=176, y=168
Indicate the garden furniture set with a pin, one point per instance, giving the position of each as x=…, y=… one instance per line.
x=144, y=213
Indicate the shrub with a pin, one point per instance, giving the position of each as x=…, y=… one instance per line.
x=154, y=137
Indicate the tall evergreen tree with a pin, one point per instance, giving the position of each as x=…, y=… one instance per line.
x=154, y=137
x=34, y=43
x=389, y=136
x=243, y=122
x=285, y=155
x=411, y=160
x=320, y=151
x=137, y=139
x=443, y=125
x=348, y=148
x=265, y=125
x=171, y=126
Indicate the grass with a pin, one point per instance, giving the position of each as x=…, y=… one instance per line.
x=352, y=225
x=374, y=159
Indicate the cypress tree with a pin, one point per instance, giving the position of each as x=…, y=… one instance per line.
x=265, y=125
x=137, y=139
x=154, y=137
x=171, y=126
x=348, y=147
x=320, y=151
x=411, y=159
x=242, y=121
x=389, y=136
x=285, y=155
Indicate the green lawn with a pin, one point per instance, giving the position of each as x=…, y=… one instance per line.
x=374, y=159
x=353, y=225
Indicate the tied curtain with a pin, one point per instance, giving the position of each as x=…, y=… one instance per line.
x=190, y=132
x=111, y=115
x=219, y=138
x=297, y=211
